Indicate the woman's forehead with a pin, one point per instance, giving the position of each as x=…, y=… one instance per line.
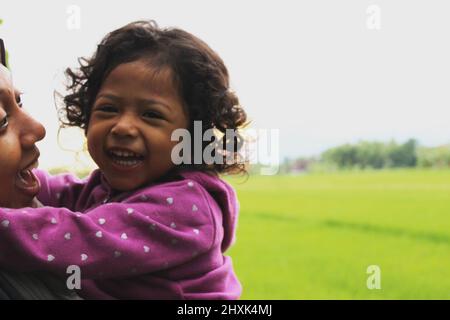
x=6, y=86
x=5, y=73
x=5, y=78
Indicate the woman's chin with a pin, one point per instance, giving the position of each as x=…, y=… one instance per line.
x=17, y=202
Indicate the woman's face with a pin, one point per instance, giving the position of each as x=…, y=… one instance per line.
x=18, y=153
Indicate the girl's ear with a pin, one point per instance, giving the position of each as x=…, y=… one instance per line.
x=2, y=53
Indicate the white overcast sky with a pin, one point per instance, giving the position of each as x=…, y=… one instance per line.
x=312, y=69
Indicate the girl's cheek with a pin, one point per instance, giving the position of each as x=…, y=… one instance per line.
x=92, y=131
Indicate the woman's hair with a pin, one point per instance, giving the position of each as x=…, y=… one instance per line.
x=198, y=73
x=2, y=53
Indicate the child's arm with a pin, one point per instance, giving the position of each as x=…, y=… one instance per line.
x=149, y=232
x=61, y=190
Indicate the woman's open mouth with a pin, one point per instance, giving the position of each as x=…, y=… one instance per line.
x=125, y=159
x=27, y=182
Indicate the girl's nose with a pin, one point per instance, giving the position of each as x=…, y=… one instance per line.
x=32, y=131
x=125, y=127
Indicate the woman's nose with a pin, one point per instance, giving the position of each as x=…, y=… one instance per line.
x=32, y=131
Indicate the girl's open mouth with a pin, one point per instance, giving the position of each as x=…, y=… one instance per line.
x=27, y=182
x=125, y=160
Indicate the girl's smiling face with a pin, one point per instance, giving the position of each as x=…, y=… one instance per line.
x=18, y=153
x=131, y=123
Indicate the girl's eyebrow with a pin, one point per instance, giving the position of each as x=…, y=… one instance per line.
x=108, y=96
x=141, y=101
x=153, y=102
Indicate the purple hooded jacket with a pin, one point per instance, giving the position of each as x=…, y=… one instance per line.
x=163, y=241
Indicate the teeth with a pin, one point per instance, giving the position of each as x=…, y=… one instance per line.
x=21, y=175
x=120, y=153
x=31, y=166
x=125, y=158
x=126, y=163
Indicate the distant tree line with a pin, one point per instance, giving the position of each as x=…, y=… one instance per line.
x=372, y=155
x=438, y=157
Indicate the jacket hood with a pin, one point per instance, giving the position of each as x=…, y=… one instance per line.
x=226, y=198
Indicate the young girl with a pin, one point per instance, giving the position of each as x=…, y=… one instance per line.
x=139, y=226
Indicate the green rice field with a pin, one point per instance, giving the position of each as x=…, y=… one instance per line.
x=313, y=236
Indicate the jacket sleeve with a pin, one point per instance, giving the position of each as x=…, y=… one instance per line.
x=151, y=231
x=61, y=190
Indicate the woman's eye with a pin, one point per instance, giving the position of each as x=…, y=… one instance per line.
x=4, y=122
x=19, y=100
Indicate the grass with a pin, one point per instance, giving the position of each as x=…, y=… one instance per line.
x=313, y=236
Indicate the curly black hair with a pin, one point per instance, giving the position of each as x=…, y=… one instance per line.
x=198, y=73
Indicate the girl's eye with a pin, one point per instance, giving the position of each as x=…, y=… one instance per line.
x=4, y=122
x=107, y=108
x=152, y=115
